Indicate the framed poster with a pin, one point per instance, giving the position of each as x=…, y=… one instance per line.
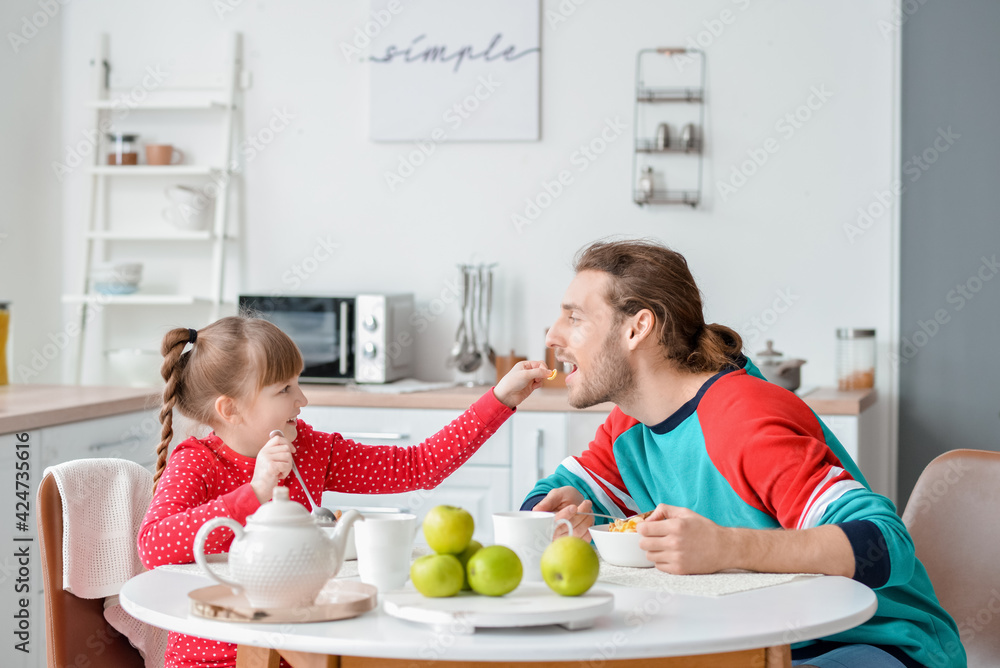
x=455, y=70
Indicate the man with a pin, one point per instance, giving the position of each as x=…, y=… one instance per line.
x=724, y=459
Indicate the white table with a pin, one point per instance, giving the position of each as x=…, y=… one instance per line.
x=751, y=628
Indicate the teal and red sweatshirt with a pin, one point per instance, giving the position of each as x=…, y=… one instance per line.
x=747, y=453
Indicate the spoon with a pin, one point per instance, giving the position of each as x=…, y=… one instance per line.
x=324, y=516
x=642, y=515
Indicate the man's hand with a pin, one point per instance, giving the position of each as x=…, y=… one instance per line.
x=682, y=542
x=565, y=502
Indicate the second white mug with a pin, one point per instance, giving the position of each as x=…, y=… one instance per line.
x=528, y=533
x=385, y=545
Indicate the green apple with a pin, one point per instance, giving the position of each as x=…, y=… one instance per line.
x=474, y=546
x=570, y=566
x=437, y=575
x=448, y=529
x=494, y=571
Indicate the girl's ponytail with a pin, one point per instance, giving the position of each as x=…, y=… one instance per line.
x=172, y=369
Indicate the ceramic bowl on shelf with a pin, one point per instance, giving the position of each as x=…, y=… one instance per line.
x=619, y=548
x=116, y=278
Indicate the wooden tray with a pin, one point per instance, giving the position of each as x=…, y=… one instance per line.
x=339, y=599
x=530, y=604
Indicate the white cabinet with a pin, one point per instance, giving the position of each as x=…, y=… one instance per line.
x=131, y=436
x=858, y=434
x=541, y=441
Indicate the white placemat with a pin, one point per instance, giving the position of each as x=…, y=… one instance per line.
x=716, y=584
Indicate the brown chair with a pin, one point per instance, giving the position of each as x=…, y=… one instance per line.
x=76, y=632
x=952, y=516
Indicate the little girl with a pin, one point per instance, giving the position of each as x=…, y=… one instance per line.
x=240, y=377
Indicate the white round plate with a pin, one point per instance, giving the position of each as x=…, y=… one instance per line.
x=530, y=604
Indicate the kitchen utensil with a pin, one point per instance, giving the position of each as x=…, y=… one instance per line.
x=124, y=149
x=189, y=209
x=282, y=558
x=324, y=516
x=488, y=350
x=528, y=533
x=619, y=548
x=385, y=545
x=116, y=278
x=471, y=359
x=777, y=369
x=163, y=154
x=461, y=335
x=531, y=604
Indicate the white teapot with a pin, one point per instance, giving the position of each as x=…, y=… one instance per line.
x=282, y=558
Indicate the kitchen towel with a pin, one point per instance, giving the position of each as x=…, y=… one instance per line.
x=714, y=584
x=103, y=504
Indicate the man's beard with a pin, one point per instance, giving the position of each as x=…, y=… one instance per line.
x=611, y=379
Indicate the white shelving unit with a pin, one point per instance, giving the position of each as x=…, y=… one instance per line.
x=101, y=234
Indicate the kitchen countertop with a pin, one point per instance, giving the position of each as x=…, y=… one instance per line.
x=24, y=407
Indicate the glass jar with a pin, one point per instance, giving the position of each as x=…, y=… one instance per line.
x=124, y=149
x=4, y=331
x=855, y=359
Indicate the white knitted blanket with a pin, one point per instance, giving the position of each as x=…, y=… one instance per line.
x=103, y=504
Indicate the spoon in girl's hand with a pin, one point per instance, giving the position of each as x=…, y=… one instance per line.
x=324, y=516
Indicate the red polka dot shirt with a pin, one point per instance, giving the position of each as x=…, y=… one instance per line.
x=204, y=479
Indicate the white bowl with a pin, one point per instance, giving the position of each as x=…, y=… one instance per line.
x=620, y=549
x=116, y=278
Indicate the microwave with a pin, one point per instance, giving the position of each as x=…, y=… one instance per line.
x=362, y=338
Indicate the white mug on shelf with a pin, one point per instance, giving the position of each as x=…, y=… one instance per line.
x=528, y=533
x=189, y=209
x=385, y=544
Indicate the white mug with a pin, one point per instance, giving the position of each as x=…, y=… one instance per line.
x=189, y=209
x=385, y=544
x=528, y=533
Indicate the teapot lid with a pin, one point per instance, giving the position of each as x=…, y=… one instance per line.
x=770, y=354
x=281, y=510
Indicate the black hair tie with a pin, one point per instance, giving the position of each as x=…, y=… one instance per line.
x=192, y=335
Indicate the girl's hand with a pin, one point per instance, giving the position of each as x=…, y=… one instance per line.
x=523, y=379
x=274, y=462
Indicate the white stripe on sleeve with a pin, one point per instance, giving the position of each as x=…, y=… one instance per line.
x=577, y=469
x=814, y=513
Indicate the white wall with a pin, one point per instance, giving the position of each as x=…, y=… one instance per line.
x=30, y=218
x=781, y=232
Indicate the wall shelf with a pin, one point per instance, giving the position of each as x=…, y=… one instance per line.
x=136, y=300
x=154, y=170
x=157, y=106
x=200, y=235
x=104, y=233
x=691, y=198
x=653, y=158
